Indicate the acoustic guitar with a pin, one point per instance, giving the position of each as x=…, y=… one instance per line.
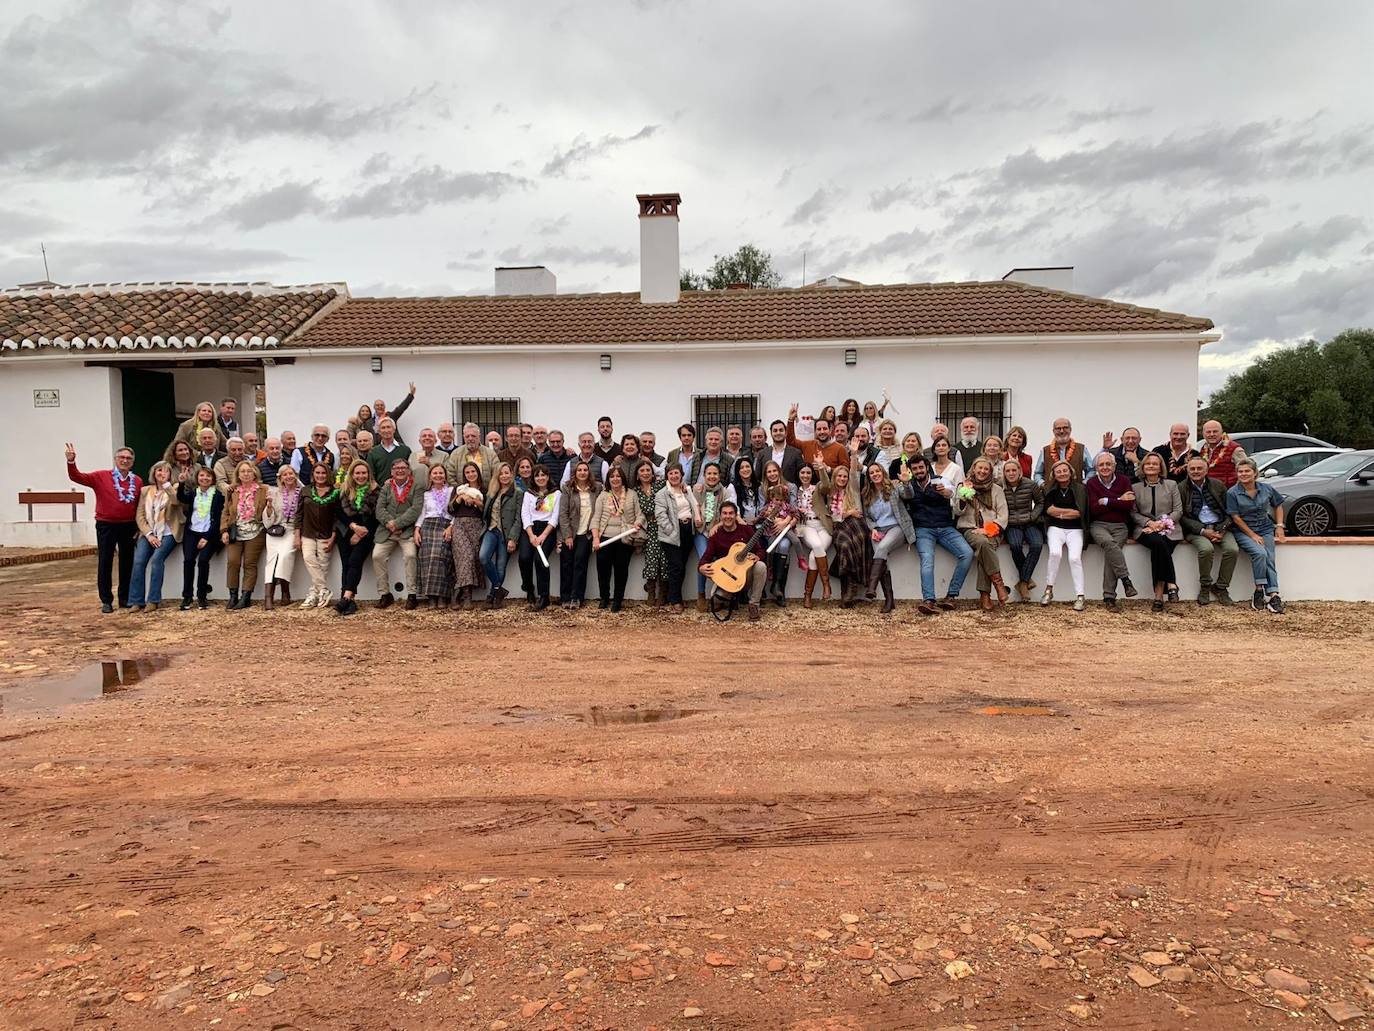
x=731, y=573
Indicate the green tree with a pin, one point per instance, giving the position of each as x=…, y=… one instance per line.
x=748, y=266
x=1326, y=390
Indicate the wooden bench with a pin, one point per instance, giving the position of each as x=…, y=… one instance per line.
x=52, y=497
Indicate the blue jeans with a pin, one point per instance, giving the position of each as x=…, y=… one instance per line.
x=144, y=555
x=953, y=542
x=701, y=550
x=1026, y=543
x=1261, y=560
x=493, y=555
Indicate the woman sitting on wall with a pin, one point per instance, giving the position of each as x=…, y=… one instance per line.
x=1066, y=521
x=160, y=519
x=1256, y=509
x=1158, y=518
x=980, y=509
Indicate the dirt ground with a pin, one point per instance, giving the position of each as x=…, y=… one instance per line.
x=829, y=820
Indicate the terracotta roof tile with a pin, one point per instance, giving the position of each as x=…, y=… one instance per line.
x=159, y=315
x=838, y=313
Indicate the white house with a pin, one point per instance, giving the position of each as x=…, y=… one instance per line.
x=106, y=364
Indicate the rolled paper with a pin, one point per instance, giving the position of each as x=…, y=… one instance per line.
x=542, y=557
x=781, y=534
x=622, y=533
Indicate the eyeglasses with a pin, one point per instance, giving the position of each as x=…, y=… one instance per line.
x=320, y=436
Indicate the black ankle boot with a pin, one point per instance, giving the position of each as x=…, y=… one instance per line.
x=233, y=598
x=245, y=599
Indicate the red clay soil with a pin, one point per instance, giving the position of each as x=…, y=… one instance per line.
x=828, y=820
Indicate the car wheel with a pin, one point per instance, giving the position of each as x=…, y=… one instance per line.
x=1312, y=518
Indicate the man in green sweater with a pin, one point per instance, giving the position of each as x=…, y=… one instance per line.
x=385, y=450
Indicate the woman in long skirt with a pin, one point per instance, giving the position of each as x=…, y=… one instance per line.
x=655, y=565
x=434, y=563
x=283, y=510
x=853, y=548
x=466, y=537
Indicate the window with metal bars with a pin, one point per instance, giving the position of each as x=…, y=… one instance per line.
x=724, y=410
x=490, y=413
x=992, y=409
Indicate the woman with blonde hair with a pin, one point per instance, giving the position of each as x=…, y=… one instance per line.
x=889, y=445
x=160, y=519
x=1025, y=507
x=465, y=534
x=244, y=534
x=992, y=451
x=356, y=532
x=1158, y=519
x=889, y=527
x=677, y=513
x=319, y=530
x=980, y=509
x=282, y=519
x=616, y=511
x=203, y=418
x=838, y=493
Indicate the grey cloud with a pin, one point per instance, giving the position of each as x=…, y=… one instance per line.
x=15, y=224
x=408, y=194
x=567, y=255
x=1319, y=302
x=1096, y=116
x=949, y=108
x=814, y=207
x=278, y=204
x=885, y=196
x=1248, y=153
x=582, y=149
x=134, y=260
x=1287, y=245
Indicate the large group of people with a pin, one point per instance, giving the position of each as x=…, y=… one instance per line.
x=841, y=492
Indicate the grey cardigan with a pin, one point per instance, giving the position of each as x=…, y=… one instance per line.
x=1156, y=502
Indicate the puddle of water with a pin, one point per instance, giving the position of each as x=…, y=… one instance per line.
x=601, y=717
x=1016, y=710
x=98, y=680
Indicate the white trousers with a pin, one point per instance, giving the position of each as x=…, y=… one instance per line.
x=815, y=538
x=316, y=563
x=1057, y=541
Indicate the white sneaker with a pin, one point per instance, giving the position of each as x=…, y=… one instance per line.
x=310, y=600
x=324, y=599
x=1079, y=603
x=1048, y=596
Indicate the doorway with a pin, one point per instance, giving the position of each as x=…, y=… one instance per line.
x=150, y=416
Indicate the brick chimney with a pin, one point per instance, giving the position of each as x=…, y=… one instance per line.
x=660, y=272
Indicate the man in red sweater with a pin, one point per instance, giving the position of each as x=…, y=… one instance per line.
x=727, y=532
x=1110, y=501
x=116, y=503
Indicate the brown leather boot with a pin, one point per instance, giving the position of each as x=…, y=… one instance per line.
x=1000, y=586
x=823, y=567
x=651, y=593
x=811, y=576
x=985, y=600
x=660, y=593
x=702, y=605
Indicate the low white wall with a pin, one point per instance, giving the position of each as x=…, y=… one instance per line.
x=1337, y=570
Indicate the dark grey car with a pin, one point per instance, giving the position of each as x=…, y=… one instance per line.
x=1335, y=494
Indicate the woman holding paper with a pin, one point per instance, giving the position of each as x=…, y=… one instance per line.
x=616, y=517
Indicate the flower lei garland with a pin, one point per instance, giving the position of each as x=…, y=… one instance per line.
x=123, y=485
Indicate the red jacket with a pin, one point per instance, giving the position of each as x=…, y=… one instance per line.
x=108, y=507
x=1221, y=461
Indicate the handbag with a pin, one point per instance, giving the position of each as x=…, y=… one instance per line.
x=277, y=530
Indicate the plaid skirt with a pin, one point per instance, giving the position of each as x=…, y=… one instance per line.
x=434, y=564
x=853, y=550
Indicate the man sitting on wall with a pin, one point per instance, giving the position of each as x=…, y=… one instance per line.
x=729, y=530
x=1176, y=453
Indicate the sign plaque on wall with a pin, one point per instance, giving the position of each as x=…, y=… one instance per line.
x=47, y=399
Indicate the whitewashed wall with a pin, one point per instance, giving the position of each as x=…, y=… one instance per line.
x=1099, y=388
x=91, y=417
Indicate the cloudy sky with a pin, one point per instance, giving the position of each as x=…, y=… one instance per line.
x=1213, y=158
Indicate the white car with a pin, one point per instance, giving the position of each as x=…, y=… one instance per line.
x=1292, y=461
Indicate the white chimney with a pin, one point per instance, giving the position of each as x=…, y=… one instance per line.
x=525, y=279
x=1056, y=278
x=660, y=274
